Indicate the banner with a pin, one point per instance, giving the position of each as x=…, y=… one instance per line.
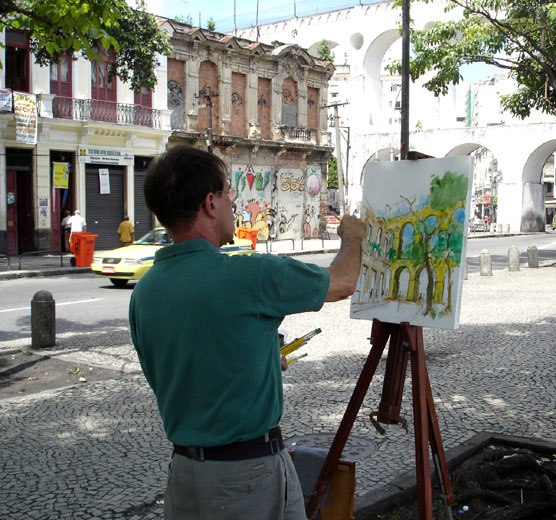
x=25, y=109
x=61, y=174
x=6, y=100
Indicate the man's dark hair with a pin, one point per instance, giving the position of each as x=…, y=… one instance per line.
x=178, y=182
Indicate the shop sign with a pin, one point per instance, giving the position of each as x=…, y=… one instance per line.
x=25, y=110
x=104, y=156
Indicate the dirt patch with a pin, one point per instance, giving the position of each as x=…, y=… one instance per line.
x=498, y=483
x=24, y=373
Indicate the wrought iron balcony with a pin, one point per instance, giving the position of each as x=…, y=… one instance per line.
x=105, y=111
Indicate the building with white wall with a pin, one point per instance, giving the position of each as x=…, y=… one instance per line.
x=70, y=139
x=365, y=39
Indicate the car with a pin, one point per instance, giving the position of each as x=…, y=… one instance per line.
x=132, y=262
x=477, y=225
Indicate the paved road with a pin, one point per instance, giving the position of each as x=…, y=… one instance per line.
x=98, y=451
x=497, y=246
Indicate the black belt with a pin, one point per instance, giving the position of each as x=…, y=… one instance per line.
x=269, y=444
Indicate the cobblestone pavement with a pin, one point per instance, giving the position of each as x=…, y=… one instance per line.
x=98, y=451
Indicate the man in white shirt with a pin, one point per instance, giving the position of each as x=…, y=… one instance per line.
x=77, y=222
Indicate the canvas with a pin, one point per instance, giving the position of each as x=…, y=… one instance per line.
x=416, y=213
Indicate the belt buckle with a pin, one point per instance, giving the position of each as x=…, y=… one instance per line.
x=200, y=456
x=274, y=446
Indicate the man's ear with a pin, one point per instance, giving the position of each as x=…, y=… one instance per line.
x=209, y=204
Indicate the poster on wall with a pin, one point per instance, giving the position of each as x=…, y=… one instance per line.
x=104, y=181
x=25, y=110
x=6, y=100
x=253, y=199
x=43, y=208
x=416, y=213
x=61, y=175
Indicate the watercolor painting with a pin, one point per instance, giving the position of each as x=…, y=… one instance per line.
x=416, y=213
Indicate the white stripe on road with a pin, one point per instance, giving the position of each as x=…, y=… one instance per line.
x=57, y=305
x=552, y=245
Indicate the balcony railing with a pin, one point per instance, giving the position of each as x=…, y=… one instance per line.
x=294, y=133
x=105, y=111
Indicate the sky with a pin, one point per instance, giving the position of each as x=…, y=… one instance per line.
x=222, y=11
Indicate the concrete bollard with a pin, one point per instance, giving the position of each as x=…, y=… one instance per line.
x=43, y=320
x=506, y=229
x=513, y=259
x=486, y=263
x=533, y=256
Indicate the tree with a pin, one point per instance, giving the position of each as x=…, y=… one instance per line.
x=518, y=36
x=187, y=20
x=325, y=52
x=211, y=24
x=332, y=176
x=78, y=27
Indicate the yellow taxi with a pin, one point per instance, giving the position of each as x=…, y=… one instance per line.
x=132, y=262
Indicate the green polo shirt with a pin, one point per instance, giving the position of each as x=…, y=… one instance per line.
x=205, y=327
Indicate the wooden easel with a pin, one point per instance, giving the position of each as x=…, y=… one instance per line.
x=406, y=341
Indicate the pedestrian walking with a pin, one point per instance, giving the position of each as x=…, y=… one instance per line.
x=207, y=339
x=126, y=231
x=66, y=230
x=77, y=225
x=77, y=222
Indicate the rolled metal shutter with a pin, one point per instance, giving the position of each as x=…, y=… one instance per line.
x=106, y=211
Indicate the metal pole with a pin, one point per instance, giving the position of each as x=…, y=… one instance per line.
x=209, y=122
x=339, y=162
x=404, y=141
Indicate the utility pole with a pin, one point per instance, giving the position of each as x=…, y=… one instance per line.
x=404, y=144
x=341, y=194
x=207, y=94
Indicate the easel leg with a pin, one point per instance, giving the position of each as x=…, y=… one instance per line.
x=420, y=419
x=426, y=429
x=379, y=337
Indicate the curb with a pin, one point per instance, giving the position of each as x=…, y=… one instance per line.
x=403, y=488
x=13, y=275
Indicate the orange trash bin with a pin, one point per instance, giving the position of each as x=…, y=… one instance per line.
x=82, y=245
x=249, y=233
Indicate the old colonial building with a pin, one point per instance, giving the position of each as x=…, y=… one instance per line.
x=72, y=139
x=260, y=108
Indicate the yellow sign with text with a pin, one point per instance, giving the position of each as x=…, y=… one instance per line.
x=61, y=175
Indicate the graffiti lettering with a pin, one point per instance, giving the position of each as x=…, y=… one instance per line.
x=291, y=183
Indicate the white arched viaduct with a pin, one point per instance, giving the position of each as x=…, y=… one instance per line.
x=361, y=37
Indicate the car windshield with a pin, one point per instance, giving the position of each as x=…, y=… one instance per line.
x=156, y=236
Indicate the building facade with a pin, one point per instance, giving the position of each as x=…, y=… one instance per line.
x=259, y=108
x=70, y=139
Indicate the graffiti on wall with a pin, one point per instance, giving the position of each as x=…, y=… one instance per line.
x=290, y=199
x=313, y=201
x=254, y=199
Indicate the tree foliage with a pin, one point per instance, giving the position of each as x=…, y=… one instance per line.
x=324, y=51
x=211, y=24
x=87, y=27
x=332, y=175
x=518, y=36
